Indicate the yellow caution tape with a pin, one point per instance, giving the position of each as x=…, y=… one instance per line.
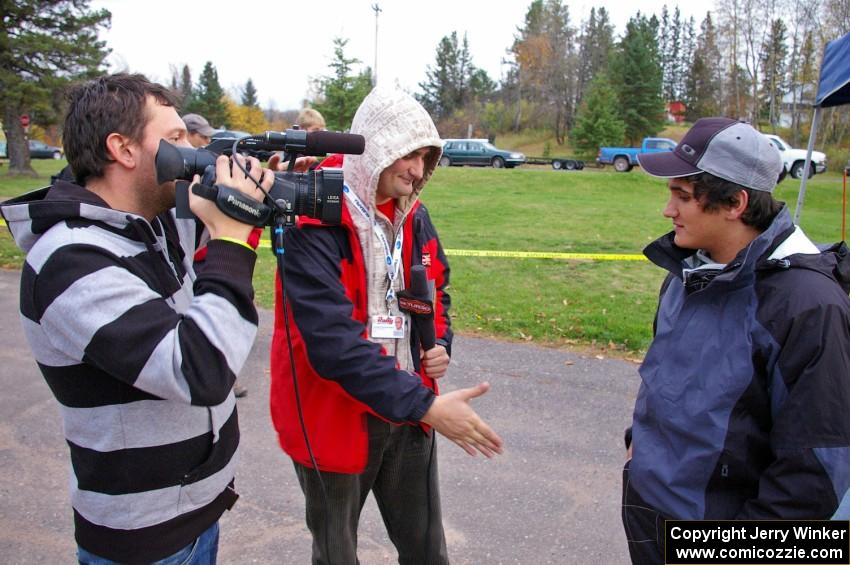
x=546, y=255
x=266, y=244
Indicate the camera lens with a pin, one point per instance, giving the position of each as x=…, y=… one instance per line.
x=317, y=194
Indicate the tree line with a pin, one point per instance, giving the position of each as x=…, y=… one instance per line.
x=747, y=59
x=756, y=60
x=47, y=46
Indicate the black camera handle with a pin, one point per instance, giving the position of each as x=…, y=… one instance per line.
x=235, y=204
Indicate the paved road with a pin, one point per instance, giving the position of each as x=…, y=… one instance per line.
x=553, y=497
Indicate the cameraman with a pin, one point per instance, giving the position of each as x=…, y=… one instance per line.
x=139, y=351
x=367, y=388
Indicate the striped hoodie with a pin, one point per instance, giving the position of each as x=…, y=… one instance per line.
x=141, y=354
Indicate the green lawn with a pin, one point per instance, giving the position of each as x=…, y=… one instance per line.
x=604, y=304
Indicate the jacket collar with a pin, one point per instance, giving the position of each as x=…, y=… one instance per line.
x=667, y=255
x=31, y=215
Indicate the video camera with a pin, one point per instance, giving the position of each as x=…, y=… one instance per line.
x=317, y=193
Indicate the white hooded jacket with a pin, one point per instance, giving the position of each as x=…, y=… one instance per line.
x=394, y=125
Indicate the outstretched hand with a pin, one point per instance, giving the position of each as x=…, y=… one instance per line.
x=452, y=416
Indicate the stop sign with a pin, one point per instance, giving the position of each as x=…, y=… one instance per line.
x=25, y=120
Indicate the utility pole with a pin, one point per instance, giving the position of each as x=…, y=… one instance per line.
x=377, y=9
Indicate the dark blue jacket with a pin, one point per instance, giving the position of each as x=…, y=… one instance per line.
x=744, y=406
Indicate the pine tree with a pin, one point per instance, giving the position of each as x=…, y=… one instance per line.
x=207, y=99
x=595, y=46
x=462, y=74
x=440, y=88
x=800, y=29
x=546, y=68
x=686, y=57
x=774, y=55
x=481, y=86
x=174, y=87
x=664, y=55
x=342, y=93
x=636, y=76
x=560, y=89
x=453, y=82
x=807, y=81
x=43, y=47
x=186, y=90
x=704, y=75
x=524, y=79
x=672, y=47
x=674, y=76
x=598, y=122
x=249, y=95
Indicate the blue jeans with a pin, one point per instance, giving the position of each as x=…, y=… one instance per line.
x=202, y=551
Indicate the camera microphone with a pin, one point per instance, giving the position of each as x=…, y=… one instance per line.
x=416, y=301
x=335, y=142
x=296, y=141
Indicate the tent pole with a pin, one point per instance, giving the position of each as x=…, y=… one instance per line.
x=802, y=196
x=844, y=207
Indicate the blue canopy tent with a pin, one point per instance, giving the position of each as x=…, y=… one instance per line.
x=833, y=90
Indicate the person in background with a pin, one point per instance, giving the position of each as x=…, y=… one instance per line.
x=743, y=411
x=310, y=120
x=200, y=131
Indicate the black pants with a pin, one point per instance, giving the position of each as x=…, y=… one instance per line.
x=402, y=474
x=644, y=526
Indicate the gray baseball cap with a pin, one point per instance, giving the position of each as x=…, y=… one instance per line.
x=196, y=122
x=723, y=147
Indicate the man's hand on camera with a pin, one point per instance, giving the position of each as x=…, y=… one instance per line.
x=302, y=164
x=218, y=223
x=452, y=416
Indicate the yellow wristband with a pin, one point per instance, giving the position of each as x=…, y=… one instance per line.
x=237, y=241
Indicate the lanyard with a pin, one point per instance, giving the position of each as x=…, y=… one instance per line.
x=392, y=254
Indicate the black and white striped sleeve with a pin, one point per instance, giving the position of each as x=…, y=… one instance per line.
x=105, y=308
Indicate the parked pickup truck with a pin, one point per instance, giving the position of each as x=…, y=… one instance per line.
x=624, y=158
x=795, y=159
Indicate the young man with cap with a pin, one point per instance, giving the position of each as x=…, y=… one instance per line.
x=743, y=412
x=200, y=131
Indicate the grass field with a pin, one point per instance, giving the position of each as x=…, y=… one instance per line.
x=605, y=305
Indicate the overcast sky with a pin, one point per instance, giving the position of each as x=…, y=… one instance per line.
x=282, y=45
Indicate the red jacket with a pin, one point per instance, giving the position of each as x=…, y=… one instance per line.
x=341, y=375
